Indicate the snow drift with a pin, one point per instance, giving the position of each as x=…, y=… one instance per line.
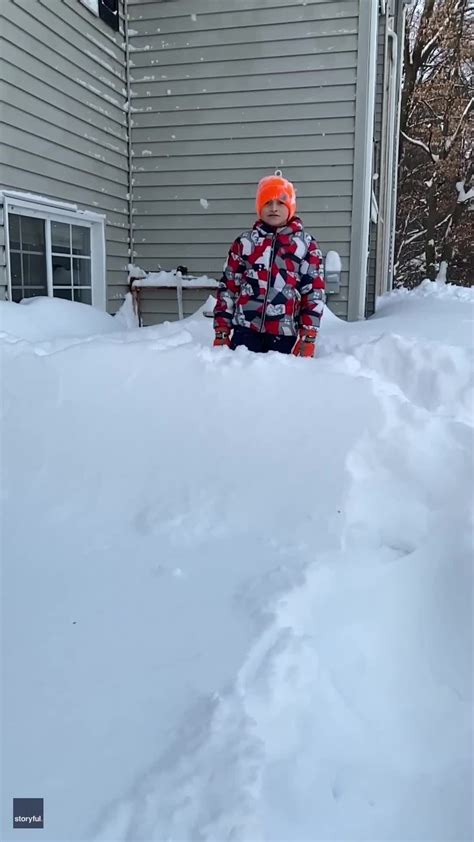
x=238, y=588
x=41, y=318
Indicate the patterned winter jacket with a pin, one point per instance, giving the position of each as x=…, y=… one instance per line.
x=273, y=281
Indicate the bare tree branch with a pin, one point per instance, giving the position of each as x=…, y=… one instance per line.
x=430, y=46
x=414, y=236
x=421, y=145
x=435, y=191
x=451, y=140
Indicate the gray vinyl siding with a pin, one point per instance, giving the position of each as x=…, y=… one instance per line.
x=221, y=97
x=64, y=126
x=378, y=119
x=161, y=305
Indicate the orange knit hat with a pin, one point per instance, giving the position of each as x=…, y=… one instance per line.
x=276, y=187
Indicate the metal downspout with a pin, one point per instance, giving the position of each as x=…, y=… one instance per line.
x=400, y=24
x=131, y=238
x=384, y=227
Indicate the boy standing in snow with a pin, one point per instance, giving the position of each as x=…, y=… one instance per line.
x=271, y=295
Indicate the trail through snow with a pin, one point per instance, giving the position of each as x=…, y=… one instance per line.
x=255, y=573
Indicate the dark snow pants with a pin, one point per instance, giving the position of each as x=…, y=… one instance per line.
x=260, y=343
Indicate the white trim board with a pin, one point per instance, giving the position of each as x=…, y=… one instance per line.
x=363, y=152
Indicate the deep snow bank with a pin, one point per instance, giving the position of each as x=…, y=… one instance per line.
x=351, y=718
x=41, y=318
x=255, y=584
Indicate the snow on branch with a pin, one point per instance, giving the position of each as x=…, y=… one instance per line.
x=415, y=142
x=443, y=221
x=414, y=236
x=430, y=44
x=450, y=140
x=463, y=194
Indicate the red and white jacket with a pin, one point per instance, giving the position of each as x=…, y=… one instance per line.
x=273, y=281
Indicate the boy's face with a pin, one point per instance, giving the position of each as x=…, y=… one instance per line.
x=275, y=213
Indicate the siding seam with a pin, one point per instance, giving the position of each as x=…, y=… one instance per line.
x=89, y=126
x=72, y=132
x=117, y=74
x=63, y=146
x=102, y=99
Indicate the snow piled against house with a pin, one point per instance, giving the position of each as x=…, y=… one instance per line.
x=238, y=588
x=42, y=318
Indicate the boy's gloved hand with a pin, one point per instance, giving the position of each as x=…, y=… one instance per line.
x=306, y=344
x=222, y=337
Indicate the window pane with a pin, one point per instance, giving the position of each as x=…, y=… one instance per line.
x=34, y=271
x=63, y=293
x=83, y=295
x=62, y=271
x=15, y=268
x=31, y=292
x=108, y=11
x=14, y=229
x=61, y=237
x=32, y=233
x=81, y=240
x=81, y=270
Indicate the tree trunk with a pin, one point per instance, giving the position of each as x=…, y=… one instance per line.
x=430, y=236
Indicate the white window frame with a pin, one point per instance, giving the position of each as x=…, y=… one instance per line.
x=28, y=204
x=92, y=5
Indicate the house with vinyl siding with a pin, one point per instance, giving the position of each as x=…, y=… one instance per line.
x=137, y=130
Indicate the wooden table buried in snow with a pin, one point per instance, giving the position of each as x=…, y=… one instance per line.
x=168, y=280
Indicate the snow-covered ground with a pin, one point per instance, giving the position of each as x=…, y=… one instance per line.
x=237, y=589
